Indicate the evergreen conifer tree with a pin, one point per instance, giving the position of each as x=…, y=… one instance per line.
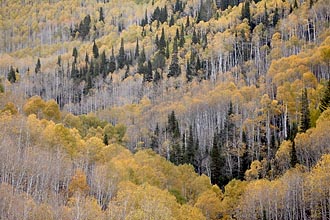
x=305, y=115
x=174, y=69
x=38, y=66
x=95, y=50
x=137, y=49
x=101, y=18
x=162, y=41
x=112, y=62
x=293, y=155
x=121, y=59
x=11, y=75
x=217, y=162
x=325, y=100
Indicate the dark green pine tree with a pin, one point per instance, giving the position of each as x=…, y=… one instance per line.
x=38, y=66
x=217, y=162
x=155, y=139
x=266, y=17
x=174, y=69
x=101, y=18
x=325, y=100
x=293, y=155
x=305, y=115
x=229, y=127
x=95, y=50
x=174, y=136
x=75, y=54
x=163, y=15
x=162, y=41
x=103, y=65
x=137, y=49
x=189, y=156
x=167, y=51
x=246, y=11
x=86, y=59
x=276, y=16
x=187, y=22
x=141, y=61
x=189, y=75
x=204, y=41
x=177, y=34
x=11, y=75
x=145, y=20
x=157, y=41
x=112, y=62
x=171, y=23
x=157, y=77
x=194, y=37
x=84, y=27
x=121, y=59
x=178, y=6
x=173, y=126
x=59, y=61
x=105, y=139
x=147, y=76
x=182, y=40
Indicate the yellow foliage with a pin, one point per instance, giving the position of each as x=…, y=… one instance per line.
x=10, y=107
x=78, y=184
x=51, y=111
x=34, y=105
x=210, y=204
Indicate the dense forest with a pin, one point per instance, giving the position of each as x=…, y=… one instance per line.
x=165, y=109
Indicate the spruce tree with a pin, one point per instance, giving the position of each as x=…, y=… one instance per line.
x=121, y=59
x=157, y=77
x=293, y=155
x=137, y=49
x=95, y=50
x=103, y=65
x=305, y=115
x=182, y=40
x=217, y=162
x=162, y=42
x=246, y=11
x=171, y=23
x=167, y=52
x=188, y=72
x=194, y=37
x=189, y=156
x=147, y=76
x=59, y=61
x=276, y=16
x=155, y=139
x=38, y=66
x=101, y=18
x=266, y=17
x=187, y=22
x=174, y=135
x=325, y=100
x=75, y=54
x=11, y=75
x=141, y=61
x=174, y=69
x=112, y=62
x=105, y=139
